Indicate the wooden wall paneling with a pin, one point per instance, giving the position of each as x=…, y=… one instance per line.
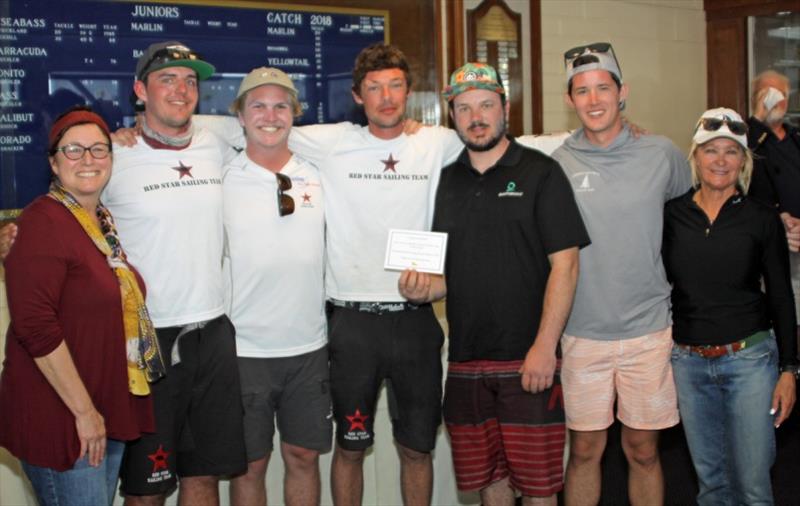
x=455, y=47
x=729, y=9
x=726, y=54
x=504, y=24
x=537, y=124
x=455, y=35
x=454, y=12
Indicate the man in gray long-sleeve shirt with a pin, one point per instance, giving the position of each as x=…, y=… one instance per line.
x=618, y=338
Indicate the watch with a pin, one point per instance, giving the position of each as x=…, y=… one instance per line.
x=793, y=368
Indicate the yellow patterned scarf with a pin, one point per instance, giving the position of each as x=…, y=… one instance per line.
x=144, y=356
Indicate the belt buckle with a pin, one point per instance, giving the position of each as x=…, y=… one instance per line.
x=711, y=351
x=374, y=308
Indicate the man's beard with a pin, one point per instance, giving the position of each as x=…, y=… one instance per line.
x=775, y=116
x=491, y=143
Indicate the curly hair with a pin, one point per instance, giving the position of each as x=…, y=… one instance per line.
x=379, y=56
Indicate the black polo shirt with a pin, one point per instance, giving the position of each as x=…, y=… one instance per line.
x=502, y=224
x=776, y=172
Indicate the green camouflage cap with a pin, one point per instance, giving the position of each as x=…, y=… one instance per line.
x=473, y=76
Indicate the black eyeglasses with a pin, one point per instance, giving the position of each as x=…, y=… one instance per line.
x=285, y=202
x=597, y=47
x=714, y=124
x=169, y=54
x=98, y=150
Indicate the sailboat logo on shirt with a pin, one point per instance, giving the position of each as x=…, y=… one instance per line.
x=582, y=182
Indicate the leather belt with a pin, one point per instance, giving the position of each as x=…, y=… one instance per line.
x=378, y=308
x=714, y=351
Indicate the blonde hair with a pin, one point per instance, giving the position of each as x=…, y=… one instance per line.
x=745, y=174
x=238, y=105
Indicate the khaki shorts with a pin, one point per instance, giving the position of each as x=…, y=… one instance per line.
x=635, y=372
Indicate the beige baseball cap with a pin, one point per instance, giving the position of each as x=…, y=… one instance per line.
x=266, y=75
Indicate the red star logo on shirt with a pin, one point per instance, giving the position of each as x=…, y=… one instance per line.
x=183, y=170
x=357, y=421
x=159, y=458
x=306, y=198
x=390, y=163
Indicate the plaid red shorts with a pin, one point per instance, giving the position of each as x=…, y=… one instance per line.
x=499, y=430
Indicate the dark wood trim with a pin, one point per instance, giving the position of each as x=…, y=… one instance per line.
x=455, y=49
x=515, y=93
x=537, y=114
x=455, y=36
x=726, y=68
x=480, y=11
x=730, y=9
x=437, y=13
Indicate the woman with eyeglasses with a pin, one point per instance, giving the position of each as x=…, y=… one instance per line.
x=80, y=348
x=718, y=246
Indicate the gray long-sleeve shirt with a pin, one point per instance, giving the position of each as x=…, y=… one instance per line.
x=621, y=190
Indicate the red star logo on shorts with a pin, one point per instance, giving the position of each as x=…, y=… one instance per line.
x=357, y=421
x=159, y=458
x=306, y=198
x=389, y=164
x=183, y=170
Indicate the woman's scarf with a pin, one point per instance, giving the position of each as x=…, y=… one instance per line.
x=144, y=356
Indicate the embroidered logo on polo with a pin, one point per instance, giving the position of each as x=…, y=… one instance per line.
x=389, y=172
x=511, y=191
x=304, y=197
x=160, y=470
x=584, y=182
x=358, y=429
x=183, y=170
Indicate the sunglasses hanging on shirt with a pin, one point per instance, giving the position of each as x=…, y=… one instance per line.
x=285, y=202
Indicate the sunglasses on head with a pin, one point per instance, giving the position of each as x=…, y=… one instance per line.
x=285, y=202
x=714, y=124
x=597, y=47
x=170, y=54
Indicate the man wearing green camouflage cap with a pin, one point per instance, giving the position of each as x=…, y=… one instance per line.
x=514, y=231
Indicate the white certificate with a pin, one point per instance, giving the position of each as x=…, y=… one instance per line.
x=412, y=249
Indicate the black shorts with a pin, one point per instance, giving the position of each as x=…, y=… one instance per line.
x=402, y=347
x=198, y=411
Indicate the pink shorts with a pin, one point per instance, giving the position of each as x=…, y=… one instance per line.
x=636, y=372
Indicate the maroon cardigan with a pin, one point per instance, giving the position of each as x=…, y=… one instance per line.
x=60, y=288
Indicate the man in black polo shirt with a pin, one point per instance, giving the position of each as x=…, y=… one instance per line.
x=776, y=173
x=511, y=269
